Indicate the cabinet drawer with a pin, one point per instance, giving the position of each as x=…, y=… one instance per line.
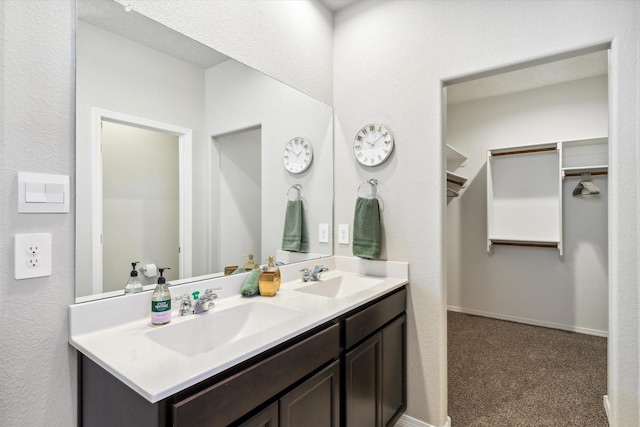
x=230, y=399
x=361, y=325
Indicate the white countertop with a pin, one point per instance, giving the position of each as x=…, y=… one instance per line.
x=115, y=332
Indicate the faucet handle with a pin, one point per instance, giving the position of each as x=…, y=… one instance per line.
x=185, y=304
x=306, y=274
x=209, y=294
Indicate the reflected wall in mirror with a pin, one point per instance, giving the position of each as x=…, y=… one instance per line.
x=232, y=186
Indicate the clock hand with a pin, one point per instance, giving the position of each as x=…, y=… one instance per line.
x=376, y=140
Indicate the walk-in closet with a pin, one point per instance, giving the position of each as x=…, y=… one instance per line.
x=527, y=245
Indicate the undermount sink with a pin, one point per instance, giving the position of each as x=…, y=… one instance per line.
x=202, y=333
x=340, y=287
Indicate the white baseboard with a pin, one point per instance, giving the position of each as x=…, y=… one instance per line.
x=407, y=421
x=533, y=322
x=607, y=408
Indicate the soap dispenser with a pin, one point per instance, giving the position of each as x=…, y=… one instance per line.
x=161, y=301
x=272, y=267
x=251, y=264
x=133, y=285
x=269, y=280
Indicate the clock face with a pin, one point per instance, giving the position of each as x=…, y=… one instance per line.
x=297, y=155
x=373, y=144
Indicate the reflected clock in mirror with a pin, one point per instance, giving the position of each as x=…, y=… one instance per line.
x=231, y=192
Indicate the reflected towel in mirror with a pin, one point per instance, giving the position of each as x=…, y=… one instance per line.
x=295, y=237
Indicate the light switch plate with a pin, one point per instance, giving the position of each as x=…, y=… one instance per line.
x=43, y=193
x=343, y=234
x=32, y=255
x=323, y=233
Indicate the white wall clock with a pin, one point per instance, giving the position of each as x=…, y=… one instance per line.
x=373, y=144
x=297, y=155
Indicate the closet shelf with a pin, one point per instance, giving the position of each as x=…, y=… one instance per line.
x=455, y=160
x=452, y=178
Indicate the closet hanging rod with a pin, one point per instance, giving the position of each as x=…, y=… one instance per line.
x=531, y=150
x=578, y=174
x=527, y=244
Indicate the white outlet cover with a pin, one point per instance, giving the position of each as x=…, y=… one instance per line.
x=25, y=259
x=323, y=233
x=343, y=234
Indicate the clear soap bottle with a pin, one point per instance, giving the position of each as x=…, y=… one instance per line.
x=161, y=301
x=133, y=285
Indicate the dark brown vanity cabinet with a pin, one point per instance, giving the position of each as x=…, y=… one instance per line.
x=314, y=403
x=375, y=369
x=348, y=372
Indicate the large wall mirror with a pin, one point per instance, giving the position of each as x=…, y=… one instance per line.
x=179, y=156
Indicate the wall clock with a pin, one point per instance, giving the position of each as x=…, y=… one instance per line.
x=373, y=144
x=297, y=155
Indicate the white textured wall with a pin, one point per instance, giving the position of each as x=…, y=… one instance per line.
x=530, y=284
x=390, y=58
x=38, y=369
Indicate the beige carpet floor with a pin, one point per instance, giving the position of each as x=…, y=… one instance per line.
x=510, y=374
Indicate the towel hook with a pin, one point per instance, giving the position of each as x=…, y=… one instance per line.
x=297, y=187
x=374, y=187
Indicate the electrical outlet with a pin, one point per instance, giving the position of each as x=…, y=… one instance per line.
x=33, y=262
x=32, y=255
x=343, y=234
x=323, y=233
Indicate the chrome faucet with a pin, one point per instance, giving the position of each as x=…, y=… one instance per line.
x=313, y=275
x=206, y=301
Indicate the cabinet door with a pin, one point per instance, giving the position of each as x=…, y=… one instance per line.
x=363, y=384
x=265, y=418
x=394, y=371
x=314, y=403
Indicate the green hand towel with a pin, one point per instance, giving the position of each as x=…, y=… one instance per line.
x=250, y=286
x=366, y=229
x=294, y=237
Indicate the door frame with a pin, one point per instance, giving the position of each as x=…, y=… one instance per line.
x=185, y=187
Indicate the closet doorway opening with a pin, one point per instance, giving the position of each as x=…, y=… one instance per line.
x=236, y=182
x=526, y=240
